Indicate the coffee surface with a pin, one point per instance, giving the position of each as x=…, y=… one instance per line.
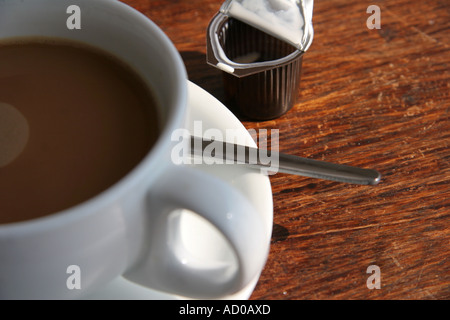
x=74, y=121
x=14, y=132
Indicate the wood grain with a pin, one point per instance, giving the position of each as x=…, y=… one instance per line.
x=369, y=98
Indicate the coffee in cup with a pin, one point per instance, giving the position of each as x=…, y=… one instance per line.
x=87, y=119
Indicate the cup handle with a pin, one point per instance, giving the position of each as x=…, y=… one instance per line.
x=226, y=209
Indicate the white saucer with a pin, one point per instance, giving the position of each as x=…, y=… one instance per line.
x=254, y=185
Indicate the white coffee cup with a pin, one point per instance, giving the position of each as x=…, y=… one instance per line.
x=128, y=229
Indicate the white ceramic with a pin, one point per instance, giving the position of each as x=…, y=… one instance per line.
x=133, y=228
x=253, y=185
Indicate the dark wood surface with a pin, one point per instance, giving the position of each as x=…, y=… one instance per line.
x=369, y=98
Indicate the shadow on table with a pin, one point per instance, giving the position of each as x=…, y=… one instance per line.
x=207, y=77
x=202, y=74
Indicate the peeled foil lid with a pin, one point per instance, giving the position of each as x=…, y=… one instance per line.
x=287, y=20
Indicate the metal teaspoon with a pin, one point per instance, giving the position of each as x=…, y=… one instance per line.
x=287, y=163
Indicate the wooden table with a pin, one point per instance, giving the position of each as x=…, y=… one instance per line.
x=376, y=98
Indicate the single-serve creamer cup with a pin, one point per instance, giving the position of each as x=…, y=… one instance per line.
x=259, y=46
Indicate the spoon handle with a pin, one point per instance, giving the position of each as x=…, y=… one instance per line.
x=286, y=163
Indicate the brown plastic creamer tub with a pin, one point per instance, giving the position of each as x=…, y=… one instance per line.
x=261, y=73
